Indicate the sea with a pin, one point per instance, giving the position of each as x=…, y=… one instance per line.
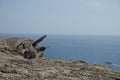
x=94, y=49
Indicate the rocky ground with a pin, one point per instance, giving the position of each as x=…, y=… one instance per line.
x=14, y=67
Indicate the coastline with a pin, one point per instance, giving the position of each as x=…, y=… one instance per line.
x=14, y=67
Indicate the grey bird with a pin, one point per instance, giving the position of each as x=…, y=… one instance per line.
x=34, y=51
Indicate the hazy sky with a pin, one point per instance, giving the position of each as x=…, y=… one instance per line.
x=89, y=17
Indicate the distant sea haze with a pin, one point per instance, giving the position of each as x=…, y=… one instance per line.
x=92, y=49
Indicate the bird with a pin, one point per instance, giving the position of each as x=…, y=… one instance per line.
x=34, y=51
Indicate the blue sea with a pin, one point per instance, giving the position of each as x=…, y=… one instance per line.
x=91, y=49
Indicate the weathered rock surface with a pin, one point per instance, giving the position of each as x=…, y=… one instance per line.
x=15, y=67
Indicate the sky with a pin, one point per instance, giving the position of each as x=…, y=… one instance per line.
x=71, y=17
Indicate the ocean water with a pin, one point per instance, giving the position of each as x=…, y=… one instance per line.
x=92, y=49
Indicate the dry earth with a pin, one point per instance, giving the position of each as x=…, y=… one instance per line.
x=14, y=67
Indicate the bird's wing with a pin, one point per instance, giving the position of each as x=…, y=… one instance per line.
x=23, y=42
x=39, y=40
